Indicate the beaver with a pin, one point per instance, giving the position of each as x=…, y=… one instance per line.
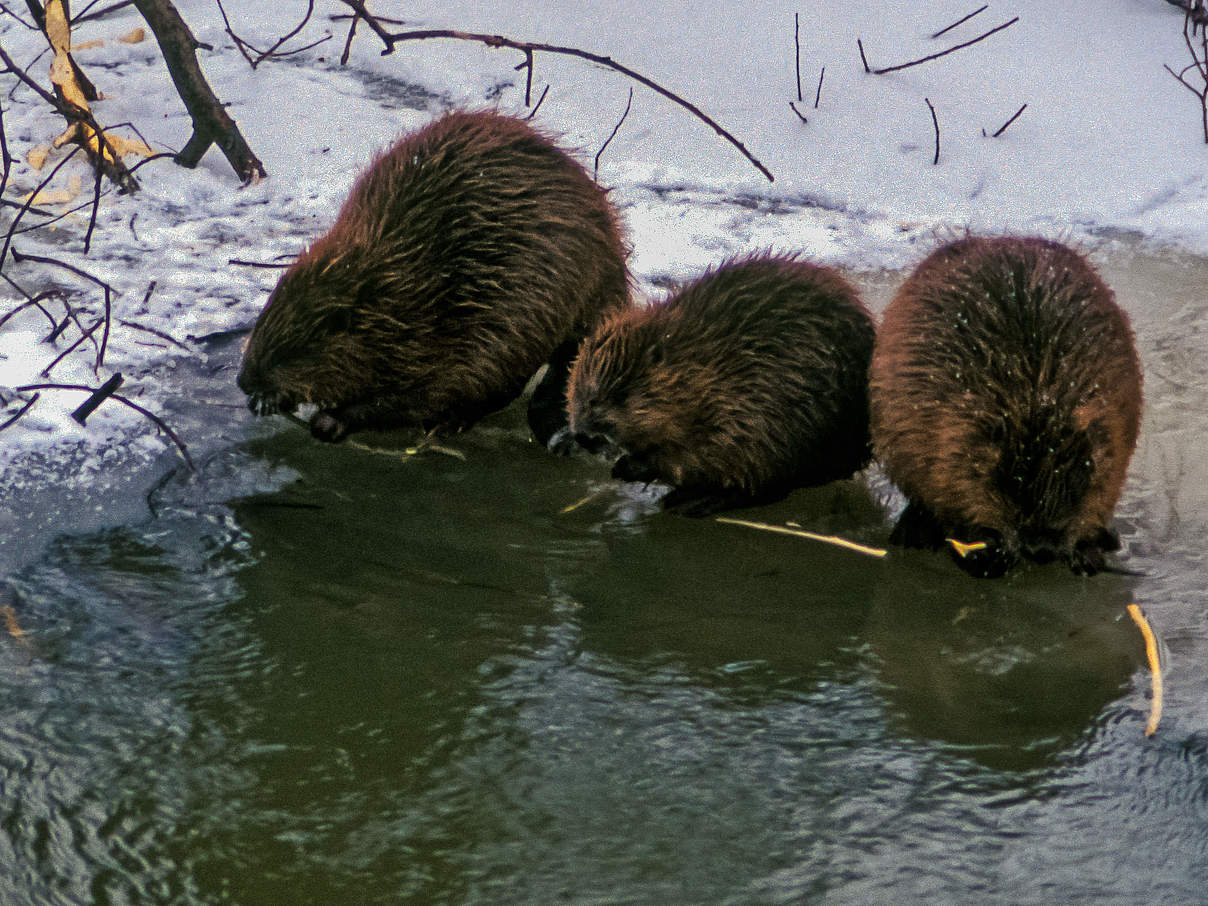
x=1006, y=403
x=746, y=383
x=467, y=255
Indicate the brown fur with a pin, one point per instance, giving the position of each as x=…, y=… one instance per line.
x=1006, y=402
x=465, y=256
x=748, y=382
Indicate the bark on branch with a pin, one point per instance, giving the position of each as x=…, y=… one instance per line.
x=211, y=123
x=528, y=48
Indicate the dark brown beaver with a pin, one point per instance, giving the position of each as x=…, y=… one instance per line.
x=1006, y=401
x=468, y=254
x=748, y=382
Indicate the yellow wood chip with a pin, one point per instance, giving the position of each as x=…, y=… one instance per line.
x=136, y=36
x=36, y=157
x=88, y=45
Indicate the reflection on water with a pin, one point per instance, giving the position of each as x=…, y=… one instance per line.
x=330, y=675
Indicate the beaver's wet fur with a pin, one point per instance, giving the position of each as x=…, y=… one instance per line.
x=1006, y=403
x=746, y=383
x=466, y=256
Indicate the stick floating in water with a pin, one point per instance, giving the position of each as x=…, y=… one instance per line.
x=801, y=533
x=1155, y=667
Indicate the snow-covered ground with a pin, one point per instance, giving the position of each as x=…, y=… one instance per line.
x=1109, y=144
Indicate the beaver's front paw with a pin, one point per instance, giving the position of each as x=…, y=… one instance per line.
x=326, y=427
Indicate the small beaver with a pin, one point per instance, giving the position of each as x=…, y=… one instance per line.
x=748, y=382
x=468, y=254
x=1006, y=402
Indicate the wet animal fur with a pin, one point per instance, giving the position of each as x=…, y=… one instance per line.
x=466, y=256
x=1006, y=402
x=746, y=383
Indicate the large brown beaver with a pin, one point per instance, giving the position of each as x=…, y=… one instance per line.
x=748, y=382
x=468, y=254
x=1006, y=401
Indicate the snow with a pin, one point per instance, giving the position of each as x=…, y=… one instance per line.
x=1110, y=144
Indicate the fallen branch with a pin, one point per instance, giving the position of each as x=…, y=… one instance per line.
x=936, y=123
x=934, y=56
x=41, y=259
x=530, y=47
x=797, y=49
x=961, y=21
x=1014, y=117
x=595, y=173
x=20, y=412
x=541, y=100
x=102, y=393
x=800, y=115
x=151, y=416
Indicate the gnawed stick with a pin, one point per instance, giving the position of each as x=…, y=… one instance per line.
x=1155, y=668
x=812, y=536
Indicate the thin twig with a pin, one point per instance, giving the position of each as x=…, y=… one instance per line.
x=595, y=173
x=155, y=419
x=936, y=123
x=962, y=21
x=800, y=115
x=818, y=93
x=797, y=49
x=45, y=372
x=12, y=421
x=8, y=237
x=1014, y=117
x=942, y=53
x=151, y=330
x=529, y=47
x=532, y=113
x=85, y=16
x=33, y=302
x=352, y=30
x=100, y=360
x=863, y=59
x=265, y=264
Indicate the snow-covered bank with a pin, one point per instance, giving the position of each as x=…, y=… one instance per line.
x=1109, y=143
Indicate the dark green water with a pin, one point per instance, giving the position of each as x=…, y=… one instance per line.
x=335, y=675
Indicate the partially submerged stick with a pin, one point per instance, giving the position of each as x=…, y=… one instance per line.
x=1155, y=668
x=801, y=533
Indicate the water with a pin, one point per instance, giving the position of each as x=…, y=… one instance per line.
x=348, y=675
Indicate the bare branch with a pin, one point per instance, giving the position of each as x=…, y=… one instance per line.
x=595, y=173
x=797, y=48
x=961, y=21
x=530, y=47
x=936, y=123
x=211, y=123
x=532, y=113
x=818, y=93
x=155, y=419
x=800, y=115
x=1014, y=117
x=942, y=53
x=28, y=405
x=100, y=360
